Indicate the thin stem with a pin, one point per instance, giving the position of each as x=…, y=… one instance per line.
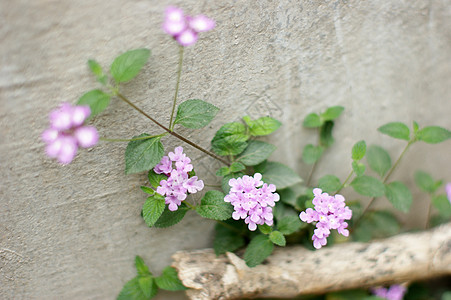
x=131, y=140
x=179, y=73
x=123, y=98
x=344, y=183
x=312, y=170
x=189, y=205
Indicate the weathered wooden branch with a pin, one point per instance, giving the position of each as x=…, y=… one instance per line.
x=292, y=271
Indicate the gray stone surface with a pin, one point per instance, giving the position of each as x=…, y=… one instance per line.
x=71, y=232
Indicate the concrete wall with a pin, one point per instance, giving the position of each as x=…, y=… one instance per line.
x=71, y=232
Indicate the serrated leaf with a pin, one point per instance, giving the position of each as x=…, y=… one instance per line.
x=359, y=150
x=195, y=113
x=169, y=280
x=255, y=153
x=132, y=291
x=358, y=168
x=442, y=204
x=329, y=183
x=425, y=182
x=148, y=286
x=230, y=139
x=143, y=155
x=396, y=130
x=225, y=180
x=280, y=175
x=289, y=224
x=214, y=207
x=236, y=167
x=277, y=238
x=127, y=65
x=147, y=190
x=325, y=134
x=287, y=196
x=223, y=171
x=152, y=209
x=312, y=153
x=96, y=69
x=141, y=267
x=433, y=134
x=155, y=178
x=399, y=195
x=376, y=224
x=265, y=229
x=378, y=160
x=262, y=126
x=258, y=250
x=332, y=113
x=368, y=186
x=226, y=239
x=312, y=121
x=97, y=101
x=169, y=218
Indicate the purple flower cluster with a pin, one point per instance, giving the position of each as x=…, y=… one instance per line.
x=448, y=191
x=178, y=184
x=251, y=203
x=394, y=292
x=183, y=28
x=330, y=213
x=67, y=132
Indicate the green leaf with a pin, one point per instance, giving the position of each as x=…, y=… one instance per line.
x=153, y=209
x=226, y=239
x=312, y=121
x=169, y=280
x=148, y=286
x=358, y=150
x=255, y=153
x=258, y=250
x=195, y=113
x=399, y=195
x=289, y=224
x=329, y=183
x=127, y=65
x=225, y=180
x=141, y=267
x=169, y=218
x=230, y=139
x=287, y=196
x=378, y=160
x=368, y=186
x=433, y=134
x=396, y=130
x=132, y=291
x=425, y=182
x=155, y=178
x=236, y=167
x=143, y=155
x=277, y=238
x=446, y=295
x=147, y=190
x=442, y=204
x=265, y=229
x=212, y=206
x=96, y=69
x=415, y=127
x=262, y=126
x=358, y=168
x=311, y=153
x=332, y=113
x=376, y=224
x=325, y=135
x=347, y=295
x=280, y=175
x=97, y=101
x=223, y=171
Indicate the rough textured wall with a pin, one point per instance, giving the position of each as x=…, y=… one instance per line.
x=72, y=232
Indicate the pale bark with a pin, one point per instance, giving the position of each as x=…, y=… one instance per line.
x=293, y=271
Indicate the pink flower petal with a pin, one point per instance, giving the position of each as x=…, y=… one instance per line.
x=201, y=23
x=87, y=136
x=187, y=38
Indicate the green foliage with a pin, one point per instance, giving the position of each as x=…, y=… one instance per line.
x=227, y=237
x=141, y=267
x=262, y=126
x=376, y=224
x=169, y=218
x=258, y=250
x=97, y=101
x=287, y=196
x=143, y=155
x=96, y=69
x=147, y=190
x=332, y=113
x=155, y=178
x=358, y=150
x=289, y=224
x=378, y=160
x=426, y=183
x=255, y=153
x=212, y=206
x=312, y=121
x=279, y=175
x=358, y=168
x=325, y=134
x=265, y=229
x=433, y=134
x=329, y=183
x=399, y=195
x=347, y=295
x=195, y=113
x=236, y=167
x=169, y=280
x=442, y=204
x=148, y=286
x=277, y=238
x=127, y=65
x=311, y=153
x=153, y=209
x=368, y=186
x=142, y=287
x=230, y=139
x=396, y=130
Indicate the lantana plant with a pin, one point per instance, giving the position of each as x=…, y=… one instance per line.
x=260, y=203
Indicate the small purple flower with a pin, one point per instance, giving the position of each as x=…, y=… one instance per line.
x=394, y=292
x=178, y=184
x=448, y=191
x=330, y=213
x=183, y=28
x=67, y=132
x=252, y=200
